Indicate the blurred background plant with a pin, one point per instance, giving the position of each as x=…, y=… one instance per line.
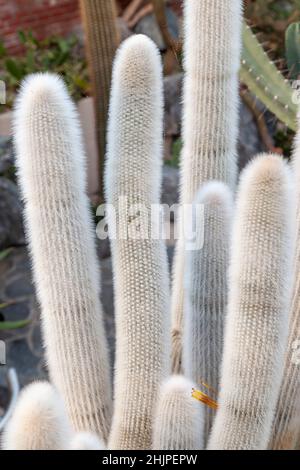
x=58, y=54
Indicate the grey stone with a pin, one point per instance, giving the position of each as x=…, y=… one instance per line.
x=173, y=104
x=123, y=29
x=29, y=366
x=6, y=154
x=103, y=248
x=16, y=312
x=150, y=28
x=107, y=299
x=170, y=185
x=20, y=287
x=11, y=226
x=249, y=142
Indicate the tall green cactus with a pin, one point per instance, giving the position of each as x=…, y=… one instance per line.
x=99, y=21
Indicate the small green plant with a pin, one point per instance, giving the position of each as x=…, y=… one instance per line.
x=4, y=253
x=13, y=325
x=176, y=151
x=60, y=55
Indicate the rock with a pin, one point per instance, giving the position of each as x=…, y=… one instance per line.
x=6, y=154
x=150, y=28
x=123, y=29
x=29, y=365
x=107, y=299
x=103, y=248
x=170, y=185
x=11, y=226
x=20, y=288
x=173, y=104
x=249, y=142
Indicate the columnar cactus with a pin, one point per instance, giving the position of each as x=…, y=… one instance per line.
x=286, y=430
x=210, y=120
x=99, y=20
x=39, y=422
x=206, y=291
x=51, y=171
x=257, y=323
x=133, y=176
x=179, y=417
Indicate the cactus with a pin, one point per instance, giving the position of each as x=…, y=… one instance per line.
x=50, y=164
x=292, y=36
x=266, y=82
x=86, y=441
x=39, y=421
x=256, y=329
x=210, y=120
x=99, y=21
x=206, y=292
x=140, y=268
x=286, y=430
x=179, y=418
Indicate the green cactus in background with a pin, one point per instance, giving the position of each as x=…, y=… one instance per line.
x=99, y=20
x=265, y=81
x=292, y=46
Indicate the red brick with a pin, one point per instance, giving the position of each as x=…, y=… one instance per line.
x=43, y=17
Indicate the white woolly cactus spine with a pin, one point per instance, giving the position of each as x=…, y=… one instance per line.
x=133, y=175
x=210, y=116
x=259, y=297
x=206, y=291
x=86, y=441
x=39, y=421
x=51, y=168
x=179, y=419
x=286, y=428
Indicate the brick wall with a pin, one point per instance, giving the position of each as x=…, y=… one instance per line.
x=43, y=17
